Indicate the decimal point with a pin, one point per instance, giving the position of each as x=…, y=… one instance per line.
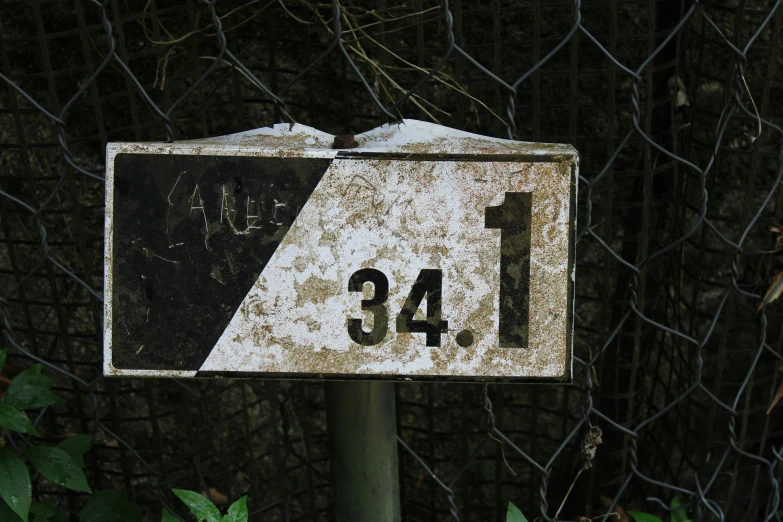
x=465, y=338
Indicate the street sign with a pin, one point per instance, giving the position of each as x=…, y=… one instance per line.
x=423, y=253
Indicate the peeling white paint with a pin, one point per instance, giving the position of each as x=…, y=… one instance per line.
x=438, y=222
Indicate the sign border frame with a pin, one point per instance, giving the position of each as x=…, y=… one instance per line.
x=216, y=149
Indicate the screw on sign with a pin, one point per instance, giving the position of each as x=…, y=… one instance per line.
x=410, y=252
x=418, y=253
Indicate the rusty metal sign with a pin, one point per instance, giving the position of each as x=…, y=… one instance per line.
x=423, y=253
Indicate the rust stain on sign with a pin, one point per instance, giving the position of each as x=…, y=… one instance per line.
x=422, y=253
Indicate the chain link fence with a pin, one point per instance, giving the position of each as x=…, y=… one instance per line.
x=676, y=110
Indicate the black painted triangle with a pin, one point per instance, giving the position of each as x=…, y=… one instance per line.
x=191, y=236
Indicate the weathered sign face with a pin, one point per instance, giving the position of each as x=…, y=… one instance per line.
x=423, y=253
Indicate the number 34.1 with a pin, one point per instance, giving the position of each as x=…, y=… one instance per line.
x=513, y=219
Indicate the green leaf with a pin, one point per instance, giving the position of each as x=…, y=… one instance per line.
x=199, y=506
x=30, y=397
x=32, y=376
x=30, y=389
x=76, y=447
x=3, y=353
x=15, y=420
x=514, y=514
x=680, y=515
x=640, y=516
x=56, y=465
x=168, y=517
x=7, y=514
x=109, y=505
x=15, y=487
x=238, y=511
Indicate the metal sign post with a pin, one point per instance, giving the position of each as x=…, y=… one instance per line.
x=423, y=253
x=363, y=451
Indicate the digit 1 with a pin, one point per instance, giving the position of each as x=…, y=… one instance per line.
x=513, y=219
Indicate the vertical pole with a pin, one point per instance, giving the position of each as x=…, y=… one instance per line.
x=363, y=451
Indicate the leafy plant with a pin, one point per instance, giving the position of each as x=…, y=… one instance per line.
x=513, y=514
x=39, y=512
x=641, y=516
x=62, y=464
x=205, y=510
x=680, y=515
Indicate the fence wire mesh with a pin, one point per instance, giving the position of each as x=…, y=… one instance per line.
x=675, y=108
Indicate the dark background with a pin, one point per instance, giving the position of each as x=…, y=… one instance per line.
x=680, y=166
